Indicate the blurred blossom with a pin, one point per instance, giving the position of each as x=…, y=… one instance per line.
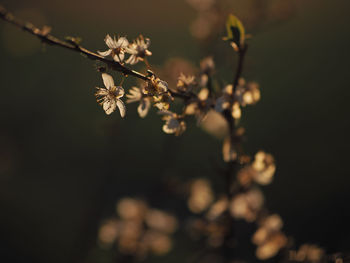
x=217, y=208
x=201, y=196
x=138, y=50
x=174, y=124
x=247, y=205
x=264, y=167
x=108, y=232
x=268, y=237
x=138, y=230
x=159, y=243
x=309, y=253
x=161, y=221
x=215, y=124
x=109, y=97
x=271, y=247
x=185, y=83
x=136, y=95
x=200, y=105
x=261, y=170
x=129, y=208
x=116, y=48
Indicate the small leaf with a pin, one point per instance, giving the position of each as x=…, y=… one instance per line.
x=73, y=40
x=235, y=32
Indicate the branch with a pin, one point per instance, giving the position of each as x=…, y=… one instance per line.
x=74, y=46
x=54, y=41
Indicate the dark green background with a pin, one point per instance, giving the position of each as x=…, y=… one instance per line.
x=64, y=163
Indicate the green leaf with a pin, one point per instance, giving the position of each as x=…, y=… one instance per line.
x=235, y=31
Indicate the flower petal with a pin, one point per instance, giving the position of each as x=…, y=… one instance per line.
x=105, y=53
x=108, y=80
x=119, y=57
x=143, y=108
x=121, y=106
x=110, y=42
x=122, y=42
x=101, y=92
x=134, y=95
x=132, y=60
x=109, y=105
x=119, y=92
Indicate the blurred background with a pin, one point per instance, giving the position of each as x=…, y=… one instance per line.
x=64, y=163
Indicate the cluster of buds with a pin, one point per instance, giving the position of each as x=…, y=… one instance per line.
x=138, y=230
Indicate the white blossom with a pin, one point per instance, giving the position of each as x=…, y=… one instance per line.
x=109, y=97
x=174, y=124
x=135, y=95
x=116, y=48
x=138, y=50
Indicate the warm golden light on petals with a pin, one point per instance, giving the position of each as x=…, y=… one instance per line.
x=201, y=196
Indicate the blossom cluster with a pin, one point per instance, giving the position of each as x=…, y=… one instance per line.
x=138, y=229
